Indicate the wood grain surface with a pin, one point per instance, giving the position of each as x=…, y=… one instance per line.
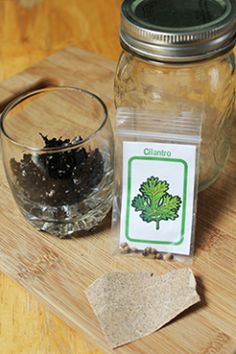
x=30, y=30
x=58, y=271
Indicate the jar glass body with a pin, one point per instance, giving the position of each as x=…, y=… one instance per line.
x=205, y=88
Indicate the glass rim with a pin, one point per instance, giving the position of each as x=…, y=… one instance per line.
x=15, y=101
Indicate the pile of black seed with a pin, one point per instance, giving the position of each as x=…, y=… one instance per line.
x=58, y=178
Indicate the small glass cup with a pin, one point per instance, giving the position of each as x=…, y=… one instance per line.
x=58, y=156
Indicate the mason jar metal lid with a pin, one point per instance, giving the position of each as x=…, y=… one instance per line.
x=178, y=30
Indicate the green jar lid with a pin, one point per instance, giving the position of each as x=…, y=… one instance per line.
x=178, y=30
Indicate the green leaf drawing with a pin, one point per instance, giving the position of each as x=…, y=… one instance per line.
x=155, y=203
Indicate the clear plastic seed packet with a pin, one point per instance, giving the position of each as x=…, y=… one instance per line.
x=156, y=173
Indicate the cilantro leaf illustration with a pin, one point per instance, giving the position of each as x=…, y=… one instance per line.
x=155, y=203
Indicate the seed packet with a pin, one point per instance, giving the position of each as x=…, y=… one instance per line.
x=156, y=173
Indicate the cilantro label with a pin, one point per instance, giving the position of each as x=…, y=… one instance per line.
x=158, y=196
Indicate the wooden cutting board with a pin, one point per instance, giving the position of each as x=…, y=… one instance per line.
x=57, y=271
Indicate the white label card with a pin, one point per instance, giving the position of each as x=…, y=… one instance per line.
x=158, y=196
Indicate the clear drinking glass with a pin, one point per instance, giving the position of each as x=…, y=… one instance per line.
x=58, y=156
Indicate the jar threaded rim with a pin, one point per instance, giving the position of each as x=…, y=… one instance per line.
x=184, y=37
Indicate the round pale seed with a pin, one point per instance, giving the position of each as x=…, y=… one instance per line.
x=168, y=257
x=125, y=250
x=158, y=256
x=123, y=244
x=133, y=249
x=145, y=254
x=153, y=251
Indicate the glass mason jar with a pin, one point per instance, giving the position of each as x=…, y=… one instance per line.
x=178, y=58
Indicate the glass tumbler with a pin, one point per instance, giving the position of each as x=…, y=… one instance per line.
x=57, y=146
